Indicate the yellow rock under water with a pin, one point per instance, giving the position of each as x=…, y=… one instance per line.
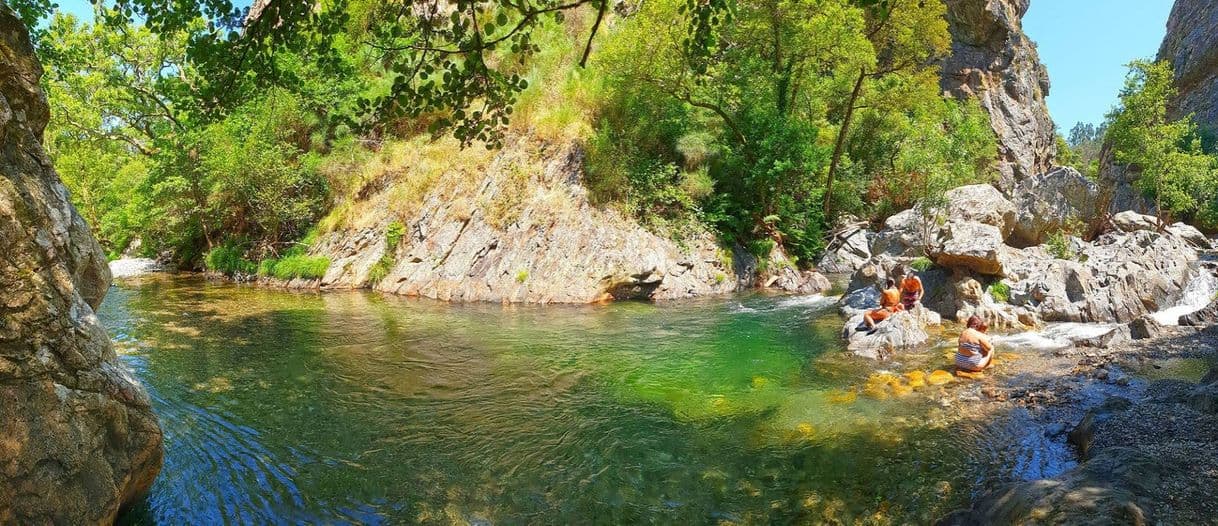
x=838, y=396
x=939, y=377
x=878, y=392
x=759, y=382
x=970, y=375
x=916, y=378
x=805, y=429
x=900, y=390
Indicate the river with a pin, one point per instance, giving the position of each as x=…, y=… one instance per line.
x=355, y=407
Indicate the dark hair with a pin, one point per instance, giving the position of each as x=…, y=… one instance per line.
x=974, y=322
x=891, y=283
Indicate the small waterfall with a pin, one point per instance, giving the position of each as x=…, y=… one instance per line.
x=1198, y=292
x=1054, y=336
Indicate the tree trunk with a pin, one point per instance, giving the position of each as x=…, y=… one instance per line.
x=841, y=143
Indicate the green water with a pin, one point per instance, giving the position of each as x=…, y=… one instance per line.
x=282, y=407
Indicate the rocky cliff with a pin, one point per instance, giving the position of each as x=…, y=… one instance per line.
x=516, y=225
x=79, y=438
x=994, y=61
x=1191, y=46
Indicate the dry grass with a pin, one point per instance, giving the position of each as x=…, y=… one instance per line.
x=397, y=180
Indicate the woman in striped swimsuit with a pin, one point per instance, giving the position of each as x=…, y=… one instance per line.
x=975, y=351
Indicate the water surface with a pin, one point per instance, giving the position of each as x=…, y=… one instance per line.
x=354, y=407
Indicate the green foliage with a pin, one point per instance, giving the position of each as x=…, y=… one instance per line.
x=921, y=264
x=1082, y=148
x=1000, y=291
x=393, y=235
x=229, y=259
x=1058, y=243
x=522, y=276
x=1175, y=172
x=295, y=266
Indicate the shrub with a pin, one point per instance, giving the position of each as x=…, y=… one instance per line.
x=228, y=259
x=298, y=266
x=1001, y=292
x=522, y=276
x=921, y=264
x=1058, y=244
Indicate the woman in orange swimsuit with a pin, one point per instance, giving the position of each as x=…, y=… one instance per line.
x=890, y=303
x=911, y=289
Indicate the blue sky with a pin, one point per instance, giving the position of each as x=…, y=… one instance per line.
x=1085, y=44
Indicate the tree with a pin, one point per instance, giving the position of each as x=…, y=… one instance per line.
x=908, y=35
x=1175, y=172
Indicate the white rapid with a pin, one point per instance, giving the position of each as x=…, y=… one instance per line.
x=1054, y=336
x=1198, y=293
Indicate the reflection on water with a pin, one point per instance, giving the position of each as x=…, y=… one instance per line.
x=360, y=408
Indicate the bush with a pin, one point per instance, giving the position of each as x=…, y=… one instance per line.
x=921, y=264
x=522, y=276
x=295, y=266
x=1001, y=292
x=229, y=259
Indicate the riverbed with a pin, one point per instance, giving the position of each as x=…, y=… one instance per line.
x=356, y=407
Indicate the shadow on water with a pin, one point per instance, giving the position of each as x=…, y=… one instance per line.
x=283, y=407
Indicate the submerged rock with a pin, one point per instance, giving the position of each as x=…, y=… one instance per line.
x=79, y=438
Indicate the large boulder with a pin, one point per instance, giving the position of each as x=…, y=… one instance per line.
x=993, y=61
x=847, y=251
x=1118, y=278
x=901, y=331
x=79, y=437
x=1046, y=202
x=1130, y=221
x=981, y=203
x=908, y=233
x=974, y=246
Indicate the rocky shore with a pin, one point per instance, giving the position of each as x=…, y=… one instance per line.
x=1142, y=445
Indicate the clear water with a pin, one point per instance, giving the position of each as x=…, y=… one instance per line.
x=282, y=407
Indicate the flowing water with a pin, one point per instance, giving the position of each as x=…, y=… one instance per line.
x=353, y=407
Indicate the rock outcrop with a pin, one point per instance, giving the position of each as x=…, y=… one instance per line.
x=993, y=60
x=79, y=438
x=902, y=330
x=527, y=232
x=1131, y=271
x=1191, y=46
x=1049, y=202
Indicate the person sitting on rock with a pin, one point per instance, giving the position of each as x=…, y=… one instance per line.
x=911, y=289
x=975, y=351
x=890, y=303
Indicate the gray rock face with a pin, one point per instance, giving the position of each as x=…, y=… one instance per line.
x=847, y=251
x=553, y=247
x=1191, y=45
x=1125, y=274
x=79, y=438
x=993, y=60
x=901, y=331
x=1118, y=278
x=974, y=246
x=1046, y=202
